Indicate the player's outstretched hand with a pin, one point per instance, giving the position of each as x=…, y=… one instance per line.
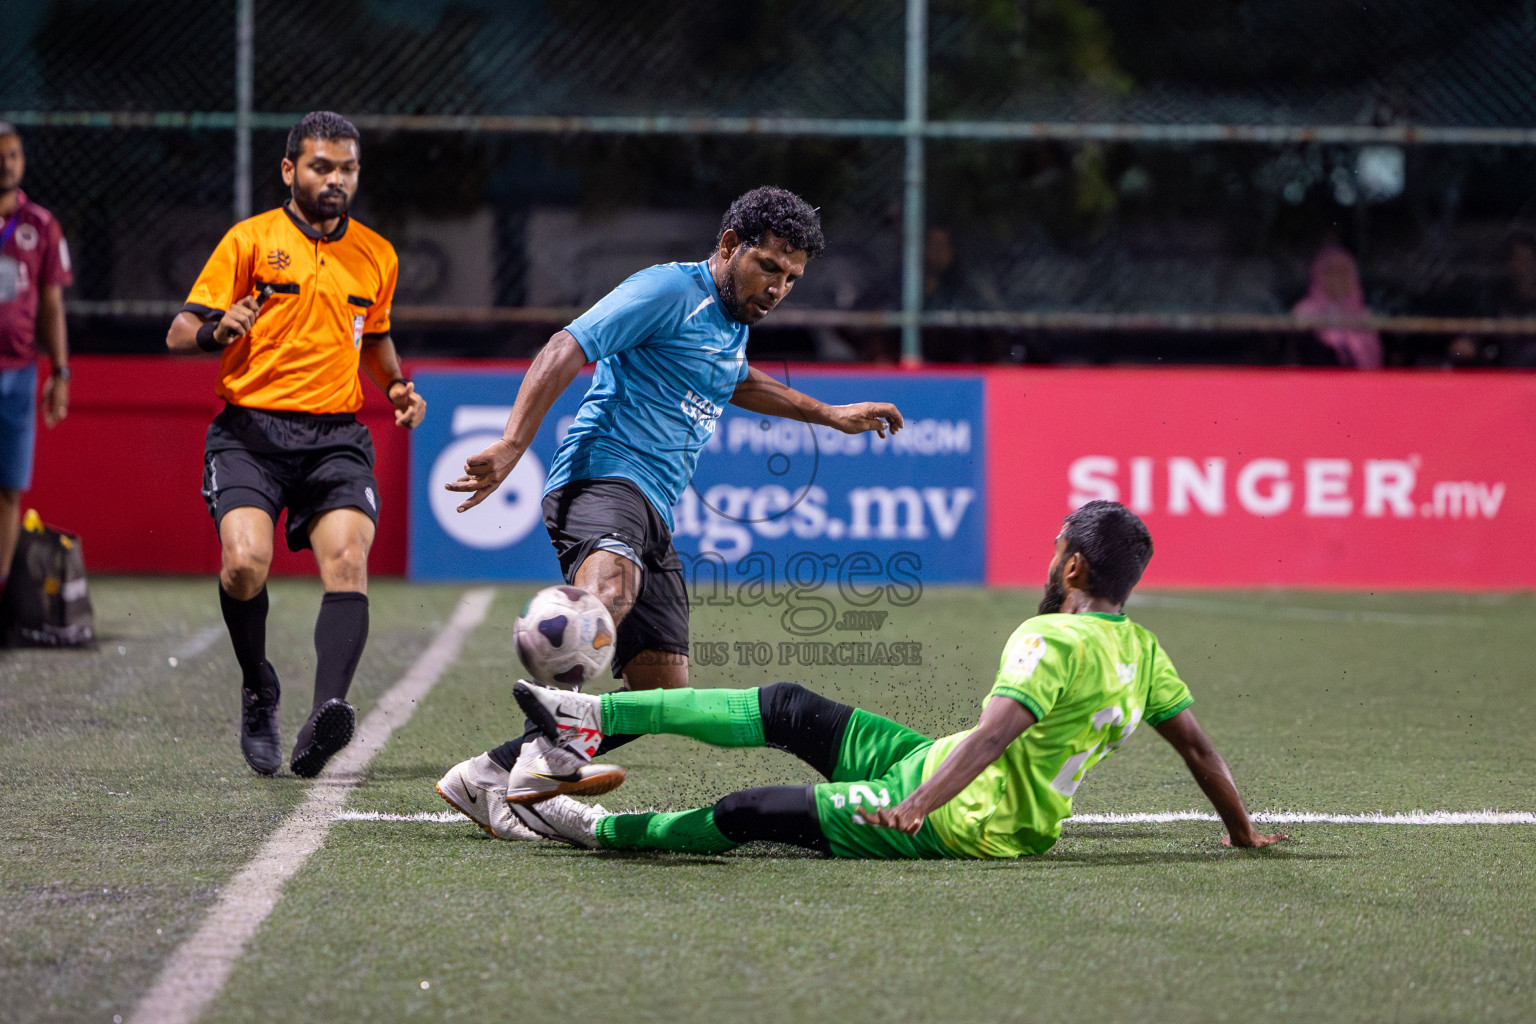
x=1258, y=841
x=410, y=408
x=901, y=818
x=862, y=416
x=484, y=473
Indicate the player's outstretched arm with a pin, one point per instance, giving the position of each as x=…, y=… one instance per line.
x=761, y=393
x=1002, y=722
x=552, y=371
x=1215, y=780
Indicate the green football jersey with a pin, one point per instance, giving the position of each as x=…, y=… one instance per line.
x=1089, y=679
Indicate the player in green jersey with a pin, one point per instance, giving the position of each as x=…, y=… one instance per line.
x=1074, y=681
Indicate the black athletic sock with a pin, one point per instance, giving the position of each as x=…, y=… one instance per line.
x=505, y=756
x=341, y=630
x=804, y=723
x=772, y=814
x=247, y=624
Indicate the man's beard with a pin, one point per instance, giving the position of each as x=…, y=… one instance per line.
x=324, y=206
x=728, y=297
x=1055, y=593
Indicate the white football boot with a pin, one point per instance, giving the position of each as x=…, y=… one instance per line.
x=563, y=820
x=477, y=789
x=544, y=770
x=573, y=720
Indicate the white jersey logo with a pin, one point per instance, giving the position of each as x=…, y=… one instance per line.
x=701, y=410
x=1127, y=673
x=699, y=309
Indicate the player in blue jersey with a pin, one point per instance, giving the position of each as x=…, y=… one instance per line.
x=670, y=347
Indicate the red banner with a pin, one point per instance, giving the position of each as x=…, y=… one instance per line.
x=124, y=470
x=1272, y=478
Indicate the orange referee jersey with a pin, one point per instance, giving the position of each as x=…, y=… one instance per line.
x=302, y=353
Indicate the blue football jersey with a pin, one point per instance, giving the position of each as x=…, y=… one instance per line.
x=668, y=360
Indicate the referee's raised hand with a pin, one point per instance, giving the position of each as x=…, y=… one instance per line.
x=237, y=320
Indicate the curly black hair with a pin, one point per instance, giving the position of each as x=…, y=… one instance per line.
x=1116, y=543
x=319, y=124
x=768, y=209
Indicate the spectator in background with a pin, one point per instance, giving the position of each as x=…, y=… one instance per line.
x=1336, y=293
x=1514, y=295
x=34, y=270
x=1510, y=294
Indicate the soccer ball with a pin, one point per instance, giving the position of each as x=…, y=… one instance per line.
x=564, y=636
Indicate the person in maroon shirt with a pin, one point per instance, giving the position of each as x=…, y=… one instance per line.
x=34, y=270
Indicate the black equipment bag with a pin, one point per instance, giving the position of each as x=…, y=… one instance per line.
x=47, y=602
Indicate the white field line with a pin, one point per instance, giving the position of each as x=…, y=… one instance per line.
x=432, y=817
x=203, y=639
x=199, y=642
x=1299, y=613
x=201, y=965
x=1296, y=817
x=1276, y=817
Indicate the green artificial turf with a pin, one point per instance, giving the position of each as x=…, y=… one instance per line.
x=1321, y=702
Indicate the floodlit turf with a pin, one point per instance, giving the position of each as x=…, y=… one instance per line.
x=1342, y=703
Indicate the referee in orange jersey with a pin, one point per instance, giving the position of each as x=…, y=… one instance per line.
x=293, y=300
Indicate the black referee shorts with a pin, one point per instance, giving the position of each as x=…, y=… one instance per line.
x=308, y=463
x=610, y=514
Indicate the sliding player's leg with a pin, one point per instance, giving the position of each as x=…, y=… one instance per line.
x=823, y=818
x=778, y=814
x=786, y=716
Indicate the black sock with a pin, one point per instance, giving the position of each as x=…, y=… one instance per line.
x=804, y=723
x=772, y=814
x=505, y=756
x=612, y=742
x=341, y=629
x=247, y=624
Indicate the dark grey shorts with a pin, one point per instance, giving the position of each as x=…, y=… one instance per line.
x=611, y=514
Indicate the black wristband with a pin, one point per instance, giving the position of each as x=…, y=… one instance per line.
x=391, y=385
x=205, y=339
x=61, y=373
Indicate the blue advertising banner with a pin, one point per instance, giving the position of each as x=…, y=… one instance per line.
x=772, y=498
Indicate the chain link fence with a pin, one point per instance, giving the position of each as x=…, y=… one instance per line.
x=1037, y=180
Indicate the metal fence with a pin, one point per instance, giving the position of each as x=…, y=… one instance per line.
x=1039, y=179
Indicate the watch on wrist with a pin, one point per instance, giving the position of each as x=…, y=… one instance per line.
x=62, y=373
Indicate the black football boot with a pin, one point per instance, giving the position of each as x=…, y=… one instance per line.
x=259, y=740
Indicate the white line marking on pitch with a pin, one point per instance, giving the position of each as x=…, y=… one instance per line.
x=1296, y=817
x=200, y=642
x=433, y=817
x=1281, y=817
x=199, y=968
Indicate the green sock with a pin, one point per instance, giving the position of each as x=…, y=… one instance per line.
x=677, y=831
x=723, y=718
